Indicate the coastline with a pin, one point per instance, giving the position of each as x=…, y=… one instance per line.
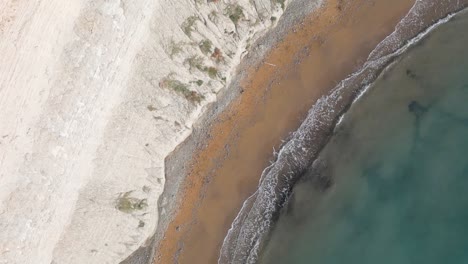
x=194, y=188
x=252, y=226
x=187, y=150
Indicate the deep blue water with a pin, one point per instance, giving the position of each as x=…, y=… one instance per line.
x=391, y=186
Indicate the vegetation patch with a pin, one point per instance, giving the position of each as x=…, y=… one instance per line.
x=213, y=16
x=175, y=48
x=205, y=46
x=151, y=108
x=197, y=82
x=145, y=188
x=235, y=13
x=188, y=26
x=195, y=62
x=280, y=2
x=212, y=72
x=172, y=84
x=128, y=204
x=182, y=89
x=217, y=55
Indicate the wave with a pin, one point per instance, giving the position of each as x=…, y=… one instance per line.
x=254, y=221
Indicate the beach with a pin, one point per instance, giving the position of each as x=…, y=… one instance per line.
x=320, y=51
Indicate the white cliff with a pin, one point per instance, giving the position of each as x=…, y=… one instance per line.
x=93, y=96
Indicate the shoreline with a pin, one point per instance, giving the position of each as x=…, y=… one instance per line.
x=202, y=184
x=187, y=150
x=302, y=150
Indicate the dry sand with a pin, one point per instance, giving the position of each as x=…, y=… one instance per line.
x=327, y=46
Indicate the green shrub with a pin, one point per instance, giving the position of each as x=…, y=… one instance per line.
x=212, y=72
x=182, y=89
x=235, y=13
x=281, y=2
x=205, y=46
x=189, y=25
x=128, y=204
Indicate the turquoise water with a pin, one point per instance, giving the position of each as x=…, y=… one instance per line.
x=391, y=186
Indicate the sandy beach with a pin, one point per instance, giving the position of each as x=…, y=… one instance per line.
x=324, y=48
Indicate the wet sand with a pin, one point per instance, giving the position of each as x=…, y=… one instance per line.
x=329, y=45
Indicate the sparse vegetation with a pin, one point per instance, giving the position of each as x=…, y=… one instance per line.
x=212, y=72
x=145, y=188
x=128, y=204
x=235, y=13
x=205, y=46
x=198, y=82
x=280, y=2
x=273, y=19
x=189, y=25
x=213, y=16
x=194, y=97
x=177, y=86
x=151, y=108
x=173, y=84
x=217, y=55
x=195, y=62
x=174, y=48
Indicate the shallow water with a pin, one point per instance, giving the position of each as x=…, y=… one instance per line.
x=390, y=187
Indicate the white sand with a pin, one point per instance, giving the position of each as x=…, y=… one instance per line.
x=84, y=119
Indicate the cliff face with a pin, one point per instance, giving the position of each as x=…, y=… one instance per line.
x=93, y=97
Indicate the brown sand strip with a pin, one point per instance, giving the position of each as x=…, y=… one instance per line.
x=330, y=44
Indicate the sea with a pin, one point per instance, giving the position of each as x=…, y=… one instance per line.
x=391, y=183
